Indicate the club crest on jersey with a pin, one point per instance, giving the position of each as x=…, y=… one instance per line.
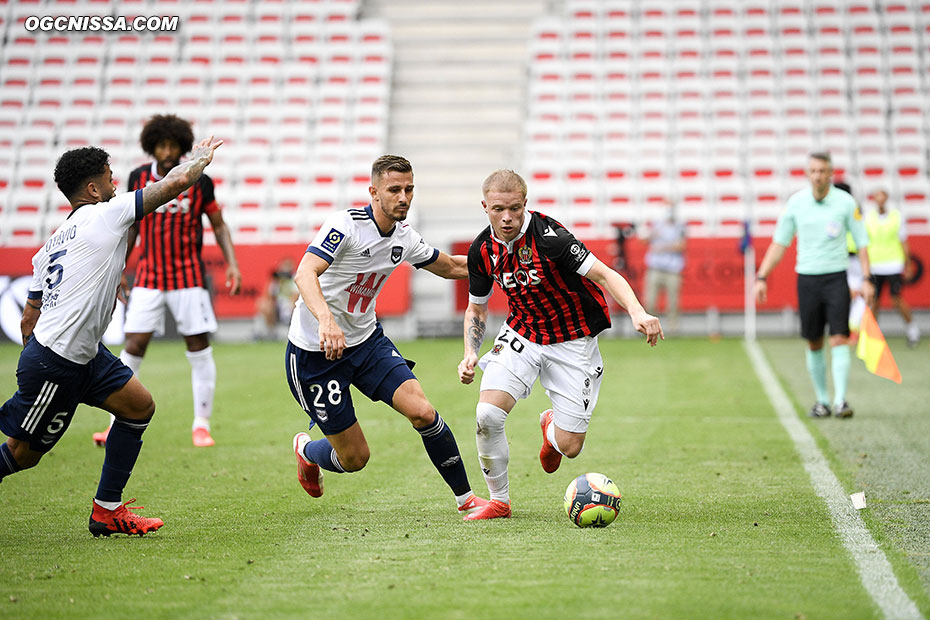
x=396, y=253
x=332, y=240
x=497, y=349
x=525, y=255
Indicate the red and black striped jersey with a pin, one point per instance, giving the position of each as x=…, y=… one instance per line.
x=171, y=237
x=549, y=300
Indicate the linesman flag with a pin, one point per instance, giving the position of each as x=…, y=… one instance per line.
x=874, y=351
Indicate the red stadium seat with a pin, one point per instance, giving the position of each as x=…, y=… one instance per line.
x=27, y=202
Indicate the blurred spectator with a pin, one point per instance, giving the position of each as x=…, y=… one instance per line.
x=888, y=252
x=276, y=305
x=665, y=261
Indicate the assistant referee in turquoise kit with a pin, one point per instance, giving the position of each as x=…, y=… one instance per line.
x=821, y=216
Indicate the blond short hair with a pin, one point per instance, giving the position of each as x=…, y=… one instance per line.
x=504, y=181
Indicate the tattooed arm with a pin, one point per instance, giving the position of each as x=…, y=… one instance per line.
x=181, y=176
x=476, y=321
x=31, y=312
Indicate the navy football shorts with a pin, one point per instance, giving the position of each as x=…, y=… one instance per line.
x=49, y=389
x=321, y=386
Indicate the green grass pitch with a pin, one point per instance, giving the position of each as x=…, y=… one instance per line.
x=719, y=519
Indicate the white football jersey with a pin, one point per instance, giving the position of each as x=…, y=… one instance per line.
x=360, y=260
x=77, y=273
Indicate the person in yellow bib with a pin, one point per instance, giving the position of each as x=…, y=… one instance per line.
x=888, y=252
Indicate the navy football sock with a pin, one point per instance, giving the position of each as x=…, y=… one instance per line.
x=321, y=452
x=8, y=464
x=123, y=445
x=444, y=453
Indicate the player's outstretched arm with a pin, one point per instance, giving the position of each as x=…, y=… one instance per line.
x=476, y=322
x=623, y=294
x=772, y=257
x=181, y=176
x=449, y=267
x=307, y=279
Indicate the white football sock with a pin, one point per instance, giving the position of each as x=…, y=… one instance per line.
x=493, y=451
x=913, y=330
x=856, y=310
x=107, y=505
x=203, y=385
x=550, y=435
x=130, y=360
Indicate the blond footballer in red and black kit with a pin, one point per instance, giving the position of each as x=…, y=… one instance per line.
x=557, y=307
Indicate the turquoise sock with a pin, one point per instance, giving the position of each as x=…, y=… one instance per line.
x=839, y=360
x=817, y=367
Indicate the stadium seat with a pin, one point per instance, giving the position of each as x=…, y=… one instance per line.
x=247, y=199
x=23, y=230
x=57, y=206
x=727, y=221
x=170, y=7
x=909, y=167
x=248, y=227
x=34, y=178
x=11, y=118
x=29, y=202
x=914, y=195
x=160, y=50
x=325, y=196
x=874, y=170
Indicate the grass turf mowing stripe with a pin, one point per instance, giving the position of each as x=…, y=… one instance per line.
x=874, y=569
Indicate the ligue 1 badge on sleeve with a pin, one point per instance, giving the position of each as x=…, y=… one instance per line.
x=332, y=240
x=396, y=253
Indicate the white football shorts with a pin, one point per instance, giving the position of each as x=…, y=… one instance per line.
x=190, y=307
x=854, y=273
x=570, y=372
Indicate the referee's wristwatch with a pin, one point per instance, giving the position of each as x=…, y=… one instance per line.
x=760, y=278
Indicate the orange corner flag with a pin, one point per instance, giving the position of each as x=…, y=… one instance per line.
x=874, y=351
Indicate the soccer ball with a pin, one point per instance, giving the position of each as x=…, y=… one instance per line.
x=592, y=500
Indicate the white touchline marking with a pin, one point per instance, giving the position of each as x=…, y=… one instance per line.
x=874, y=569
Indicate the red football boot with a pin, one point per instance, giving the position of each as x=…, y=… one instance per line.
x=100, y=439
x=494, y=509
x=472, y=504
x=309, y=474
x=121, y=521
x=201, y=438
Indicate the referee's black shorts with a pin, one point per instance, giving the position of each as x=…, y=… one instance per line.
x=823, y=300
